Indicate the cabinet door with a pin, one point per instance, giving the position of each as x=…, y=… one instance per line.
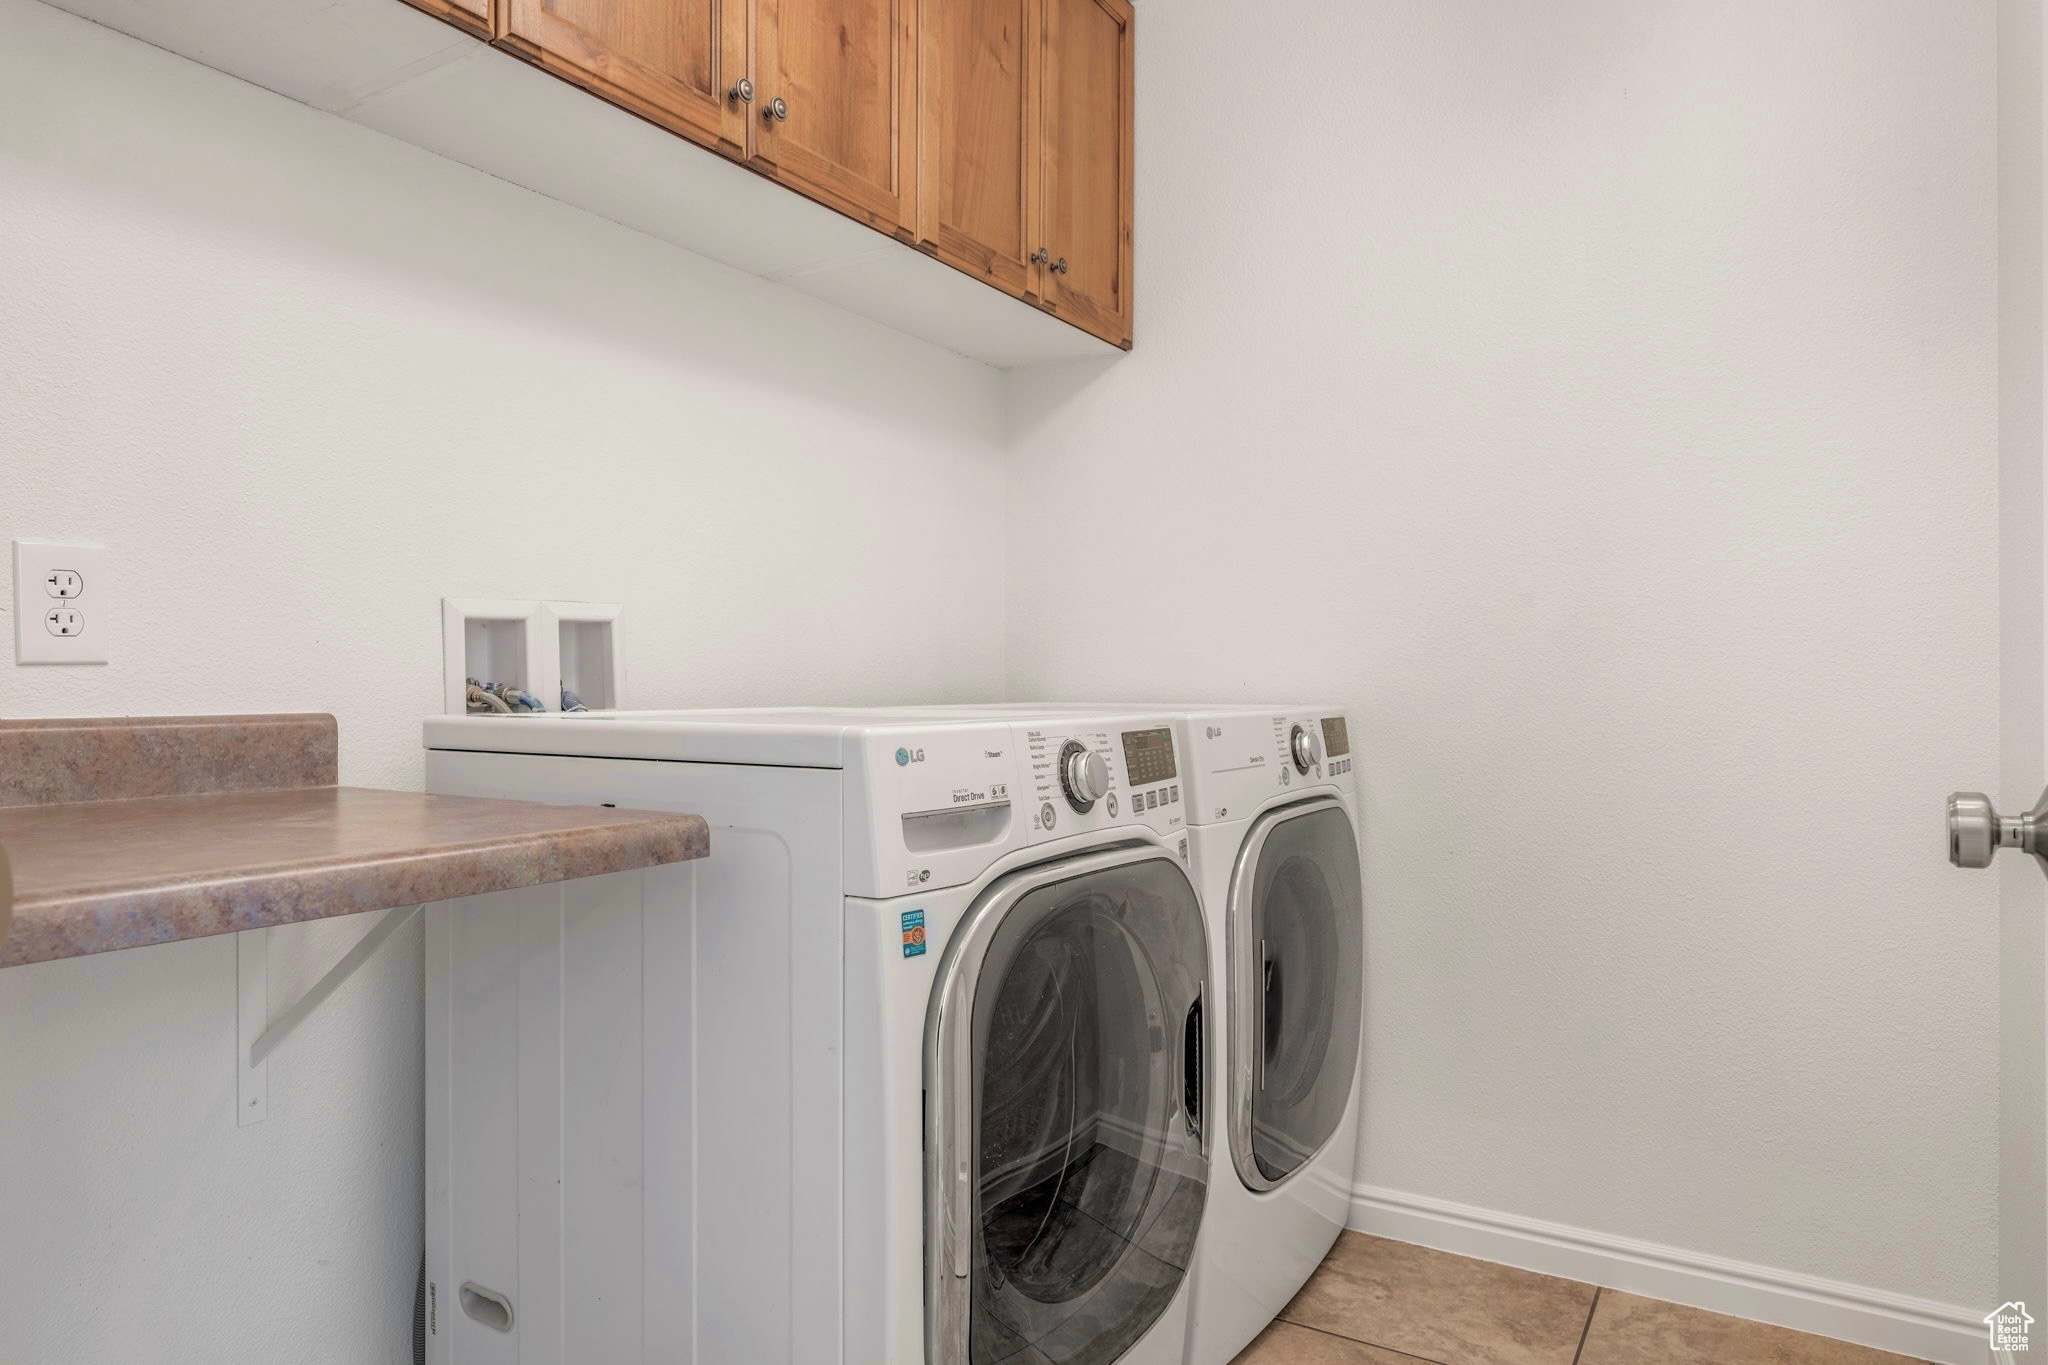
x=670, y=61
x=1087, y=168
x=978, y=119
x=473, y=15
x=846, y=133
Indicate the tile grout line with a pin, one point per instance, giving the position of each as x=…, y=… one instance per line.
x=1324, y=1331
x=1587, y=1330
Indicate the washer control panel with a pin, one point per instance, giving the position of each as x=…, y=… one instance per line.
x=948, y=796
x=1088, y=775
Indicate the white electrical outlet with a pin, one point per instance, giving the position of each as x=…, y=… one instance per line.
x=61, y=602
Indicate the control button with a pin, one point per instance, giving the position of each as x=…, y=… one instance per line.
x=1151, y=800
x=1112, y=805
x=1046, y=815
x=1173, y=793
x=1303, y=749
x=1084, y=775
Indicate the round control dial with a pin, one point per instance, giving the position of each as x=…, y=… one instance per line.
x=1084, y=775
x=1305, y=750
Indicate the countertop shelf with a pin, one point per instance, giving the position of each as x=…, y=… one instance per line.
x=91, y=876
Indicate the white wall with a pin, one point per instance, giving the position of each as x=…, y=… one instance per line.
x=304, y=381
x=1600, y=398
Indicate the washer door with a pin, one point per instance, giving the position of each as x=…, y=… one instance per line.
x=1065, y=1168
x=1296, y=944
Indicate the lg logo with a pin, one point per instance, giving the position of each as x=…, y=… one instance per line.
x=906, y=757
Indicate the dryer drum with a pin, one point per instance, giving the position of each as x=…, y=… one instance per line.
x=1302, y=909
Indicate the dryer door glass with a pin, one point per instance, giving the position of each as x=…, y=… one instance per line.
x=1089, y=1167
x=1298, y=933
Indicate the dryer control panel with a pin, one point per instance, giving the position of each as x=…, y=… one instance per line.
x=1241, y=760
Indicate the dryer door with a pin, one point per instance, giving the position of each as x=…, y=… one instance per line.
x=1296, y=946
x=1065, y=1168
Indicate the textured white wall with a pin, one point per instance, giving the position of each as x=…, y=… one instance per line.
x=304, y=381
x=1599, y=397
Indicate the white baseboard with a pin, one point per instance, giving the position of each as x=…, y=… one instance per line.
x=1920, y=1328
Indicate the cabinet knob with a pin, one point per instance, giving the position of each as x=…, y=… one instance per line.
x=776, y=111
x=1041, y=257
x=1059, y=267
x=742, y=91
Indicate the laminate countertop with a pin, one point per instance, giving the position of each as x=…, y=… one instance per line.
x=90, y=876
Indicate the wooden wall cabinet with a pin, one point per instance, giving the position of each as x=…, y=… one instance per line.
x=473, y=15
x=670, y=61
x=978, y=116
x=1085, y=269
x=818, y=94
x=994, y=134
x=835, y=86
x=1026, y=135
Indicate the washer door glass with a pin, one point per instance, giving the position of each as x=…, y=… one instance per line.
x=1089, y=1173
x=1302, y=917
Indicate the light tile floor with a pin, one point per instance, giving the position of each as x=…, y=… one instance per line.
x=1376, y=1302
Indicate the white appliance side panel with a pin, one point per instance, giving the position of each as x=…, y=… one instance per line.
x=473, y=1154
x=888, y=993
x=440, y=1164
x=732, y=1058
x=585, y=1060
x=541, y=1301
x=668, y=1053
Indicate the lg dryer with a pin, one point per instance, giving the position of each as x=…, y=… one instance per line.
x=1273, y=825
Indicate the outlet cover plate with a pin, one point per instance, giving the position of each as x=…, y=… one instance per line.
x=61, y=602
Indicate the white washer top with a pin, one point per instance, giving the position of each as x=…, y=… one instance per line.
x=933, y=796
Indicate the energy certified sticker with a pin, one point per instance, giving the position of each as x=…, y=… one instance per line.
x=913, y=933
